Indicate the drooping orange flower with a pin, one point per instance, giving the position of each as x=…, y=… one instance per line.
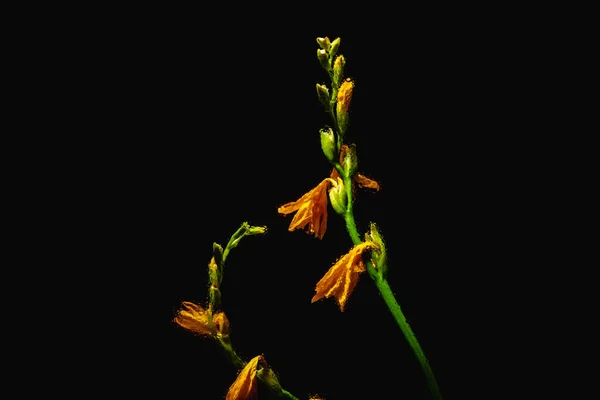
x=341, y=279
x=193, y=318
x=311, y=210
x=246, y=384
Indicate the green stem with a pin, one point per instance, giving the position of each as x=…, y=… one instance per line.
x=390, y=300
x=288, y=394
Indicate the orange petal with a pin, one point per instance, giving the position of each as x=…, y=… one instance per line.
x=311, y=210
x=365, y=182
x=193, y=318
x=245, y=385
x=342, y=277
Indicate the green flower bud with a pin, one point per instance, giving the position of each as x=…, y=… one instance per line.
x=344, y=97
x=324, y=43
x=378, y=255
x=350, y=161
x=335, y=45
x=338, y=196
x=218, y=254
x=328, y=144
x=324, y=98
x=256, y=230
x=323, y=59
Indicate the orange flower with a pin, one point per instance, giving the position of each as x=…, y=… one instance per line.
x=246, y=384
x=341, y=279
x=196, y=319
x=193, y=318
x=311, y=210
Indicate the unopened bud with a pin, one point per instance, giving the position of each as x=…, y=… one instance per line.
x=324, y=43
x=256, y=230
x=324, y=98
x=344, y=96
x=335, y=45
x=350, y=161
x=378, y=254
x=328, y=144
x=338, y=196
x=338, y=70
x=323, y=59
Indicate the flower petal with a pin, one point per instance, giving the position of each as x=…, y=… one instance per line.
x=245, y=385
x=193, y=318
x=311, y=210
x=342, y=277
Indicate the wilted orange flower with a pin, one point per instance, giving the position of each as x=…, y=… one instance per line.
x=246, y=384
x=311, y=210
x=344, y=96
x=341, y=279
x=193, y=318
x=196, y=319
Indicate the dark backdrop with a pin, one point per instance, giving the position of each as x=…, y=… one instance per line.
x=221, y=127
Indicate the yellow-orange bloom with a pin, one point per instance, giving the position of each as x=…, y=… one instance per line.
x=193, y=318
x=196, y=319
x=246, y=385
x=344, y=96
x=341, y=279
x=311, y=210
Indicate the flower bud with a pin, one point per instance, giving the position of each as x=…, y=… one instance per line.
x=338, y=196
x=256, y=230
x=324, y=97
x=350, y=161
x=344, y=96
x=378, y=254
x=338, y=70
x=335, y=45
x=324, y=43
x=218, y=254
x=323, y=59
x=328, y=144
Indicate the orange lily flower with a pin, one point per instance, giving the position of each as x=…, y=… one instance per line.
x=194, y=318
x=311, y=210
x=341, y=279
x=246, y=384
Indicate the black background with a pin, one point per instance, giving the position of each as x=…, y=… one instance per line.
x=212, y=119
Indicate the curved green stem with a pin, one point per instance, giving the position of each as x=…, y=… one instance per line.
x=390, y=299
x=288, y=394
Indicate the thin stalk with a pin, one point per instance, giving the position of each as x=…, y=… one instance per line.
x=390, y=300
